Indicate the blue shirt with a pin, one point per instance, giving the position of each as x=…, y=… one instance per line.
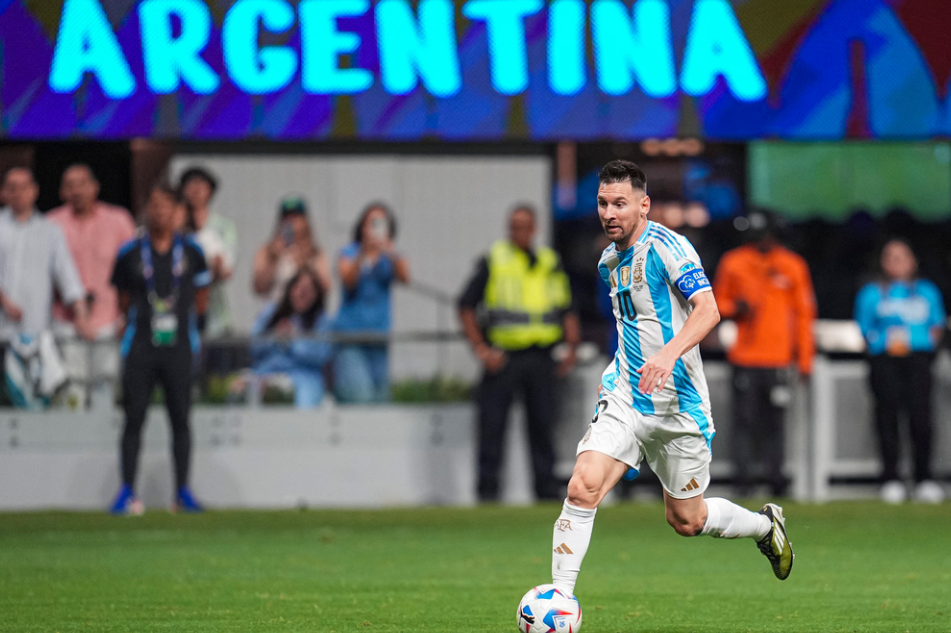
x=366, y=307
x=899, y=316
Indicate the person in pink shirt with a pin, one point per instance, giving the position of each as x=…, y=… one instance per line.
x=94, y=231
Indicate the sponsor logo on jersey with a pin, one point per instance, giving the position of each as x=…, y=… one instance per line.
x=692, y=281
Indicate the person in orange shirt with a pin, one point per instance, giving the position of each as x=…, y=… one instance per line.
x=767, y=290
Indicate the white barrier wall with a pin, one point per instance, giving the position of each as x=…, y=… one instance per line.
x=263, y=458
x=407, y=455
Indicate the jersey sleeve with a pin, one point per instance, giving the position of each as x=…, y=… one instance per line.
x=683, y=266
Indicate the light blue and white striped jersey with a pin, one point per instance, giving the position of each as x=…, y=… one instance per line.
x=651, y=283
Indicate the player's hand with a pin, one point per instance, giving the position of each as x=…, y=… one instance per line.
x=655, y=372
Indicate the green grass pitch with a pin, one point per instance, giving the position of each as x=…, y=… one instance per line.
x=859, y=567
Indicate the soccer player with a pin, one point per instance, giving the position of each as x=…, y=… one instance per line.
x=653, y=403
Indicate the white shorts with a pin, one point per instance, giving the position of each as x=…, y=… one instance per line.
x=675, y=446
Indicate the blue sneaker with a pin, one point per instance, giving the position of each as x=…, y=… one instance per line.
x=127, y=504
x=185, y=502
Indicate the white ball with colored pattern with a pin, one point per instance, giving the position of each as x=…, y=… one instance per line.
x=548, y=609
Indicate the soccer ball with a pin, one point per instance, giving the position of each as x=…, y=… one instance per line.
x=547, y=609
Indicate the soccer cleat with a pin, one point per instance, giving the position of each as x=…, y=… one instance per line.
x=775, y=546
x=185, y=502
x=126, y=503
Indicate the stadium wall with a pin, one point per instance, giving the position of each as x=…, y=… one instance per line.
x=408, y=455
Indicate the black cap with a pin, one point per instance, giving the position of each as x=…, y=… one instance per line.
x=292, y=205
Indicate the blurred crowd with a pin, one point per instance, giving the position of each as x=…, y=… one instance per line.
x=61, y=324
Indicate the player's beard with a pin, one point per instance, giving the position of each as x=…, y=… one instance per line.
x=625, y=237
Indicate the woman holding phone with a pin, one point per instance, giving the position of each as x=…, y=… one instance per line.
x=292, y=247
x=368, y=266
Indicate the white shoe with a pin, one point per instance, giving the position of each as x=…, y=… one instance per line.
x=929, y=492
x=894, y=492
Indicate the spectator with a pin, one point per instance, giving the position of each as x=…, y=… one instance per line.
x=527, y=299
x=766, y=289
x=292, y=246
x=218, y=239
x=34, y=259
x=368, y=266
x=162, y=279
x=902, y=318
x=94, y=232
x=300, y=313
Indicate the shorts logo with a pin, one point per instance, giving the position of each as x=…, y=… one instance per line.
x=625, y=275
x=563, y=525
x=693, y=485
x=587, y=436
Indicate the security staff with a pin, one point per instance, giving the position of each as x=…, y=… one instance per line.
x=767, y=290
x=524, y=299
x=162, y=280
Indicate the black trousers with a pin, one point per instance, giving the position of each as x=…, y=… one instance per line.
x=530, y=373
x=902, y=385
x=144, y=367
x=761, y=396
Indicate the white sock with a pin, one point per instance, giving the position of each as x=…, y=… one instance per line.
x=570, y=543
x=728, y=520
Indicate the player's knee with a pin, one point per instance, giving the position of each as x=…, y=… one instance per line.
x=584, y=490
x=683, y=524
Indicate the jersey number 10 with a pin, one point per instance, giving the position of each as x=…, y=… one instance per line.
x=625, y=305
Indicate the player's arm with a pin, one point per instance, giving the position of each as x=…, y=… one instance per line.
x=703, y=318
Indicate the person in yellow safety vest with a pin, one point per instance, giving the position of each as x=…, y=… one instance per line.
x=515, y=308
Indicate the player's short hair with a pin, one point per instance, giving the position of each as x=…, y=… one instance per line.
x=623, y=171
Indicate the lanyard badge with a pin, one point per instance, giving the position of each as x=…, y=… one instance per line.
x=164, y=319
